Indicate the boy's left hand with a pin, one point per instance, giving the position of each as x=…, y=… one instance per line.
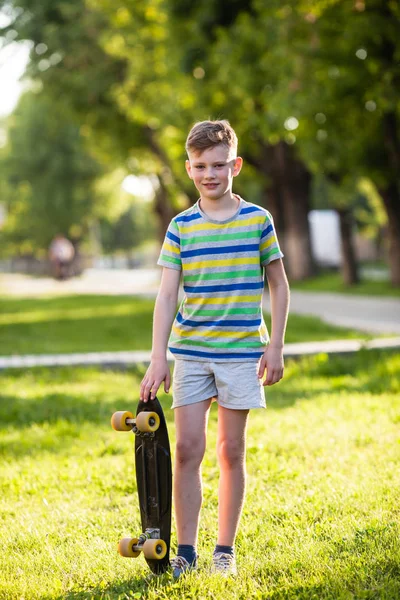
x=272, y=362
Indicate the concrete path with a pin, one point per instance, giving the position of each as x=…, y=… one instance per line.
x=371, y=314
x=129, y=359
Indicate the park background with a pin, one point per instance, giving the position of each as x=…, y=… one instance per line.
x=94, y=149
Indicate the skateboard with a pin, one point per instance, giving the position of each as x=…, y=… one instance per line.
x=154, y=483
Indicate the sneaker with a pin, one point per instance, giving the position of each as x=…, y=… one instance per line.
x=225, y=564
x=179, y=565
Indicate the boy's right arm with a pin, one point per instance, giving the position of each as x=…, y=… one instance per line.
x=164, y=313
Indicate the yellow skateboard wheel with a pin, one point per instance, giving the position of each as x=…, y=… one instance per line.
x=147, y=421
x=155, y=549
x=125, y=548
x=118, y=420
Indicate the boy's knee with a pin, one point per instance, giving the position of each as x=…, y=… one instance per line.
x=189, y=451
x=230, y=452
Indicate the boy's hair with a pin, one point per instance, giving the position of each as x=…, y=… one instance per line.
x=207, y=134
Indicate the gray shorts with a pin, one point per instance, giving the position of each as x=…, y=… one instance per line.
x=233, y=384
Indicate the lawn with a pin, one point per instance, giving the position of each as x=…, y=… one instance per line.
x=321, y=519
x=333, y=283
x=108, y=323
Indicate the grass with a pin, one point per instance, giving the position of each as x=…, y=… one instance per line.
x=108, y=323
x=333, y=283
x=321, y=518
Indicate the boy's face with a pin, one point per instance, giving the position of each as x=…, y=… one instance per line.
x=213, y=171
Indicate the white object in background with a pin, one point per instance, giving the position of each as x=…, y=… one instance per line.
x=325, y=237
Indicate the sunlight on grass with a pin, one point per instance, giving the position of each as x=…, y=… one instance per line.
x=107, y=323
x=321, y=518
x=333, y=283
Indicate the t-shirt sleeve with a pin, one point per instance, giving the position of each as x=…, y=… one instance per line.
x=269, y=245
x=170, y=255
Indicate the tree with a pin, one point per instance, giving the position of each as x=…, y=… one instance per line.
x=48, y=175
x=352, y=74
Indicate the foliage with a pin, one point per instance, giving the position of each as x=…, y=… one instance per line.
x=307, y=78
x=49, y=176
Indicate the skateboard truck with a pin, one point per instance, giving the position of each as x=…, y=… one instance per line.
x=148, y=542
x=145, y=422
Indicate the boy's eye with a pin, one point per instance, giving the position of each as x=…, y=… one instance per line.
x=219, y=166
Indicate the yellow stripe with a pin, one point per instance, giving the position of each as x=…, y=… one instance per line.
x=269, y=242
x=227, y=300
x=170, y=248
x=215, y=334
x=208, y=226
x=223, y=262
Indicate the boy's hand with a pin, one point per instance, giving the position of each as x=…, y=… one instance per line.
x=157, y=373
x=272, y=362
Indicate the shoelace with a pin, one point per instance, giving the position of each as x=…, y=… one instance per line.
x=179, y=562
x=223, y=558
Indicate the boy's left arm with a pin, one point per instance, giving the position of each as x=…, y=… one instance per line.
x=272, y=359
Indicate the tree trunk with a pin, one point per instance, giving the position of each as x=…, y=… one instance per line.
x=391, y=200
x=349, y=266
x=286, y=195
x=294, y=180
x=273, y=202
x=163, y=209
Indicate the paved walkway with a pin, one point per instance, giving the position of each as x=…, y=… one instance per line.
x=128, y=359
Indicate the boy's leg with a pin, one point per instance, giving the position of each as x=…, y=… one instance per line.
x=191, y=426
x=231, y=451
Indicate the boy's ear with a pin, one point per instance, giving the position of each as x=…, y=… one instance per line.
x=188, y=168
x=237, y=166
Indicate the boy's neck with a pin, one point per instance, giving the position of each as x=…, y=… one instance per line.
x=222, y=208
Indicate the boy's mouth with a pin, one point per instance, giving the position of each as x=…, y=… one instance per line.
x=210, y=185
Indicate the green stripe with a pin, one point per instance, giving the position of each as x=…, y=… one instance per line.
x=223, y=275
x=269, y=253
x=221, y=312
x=175, y=226
x=176, y=261
x=222, y=344
x=221, y=237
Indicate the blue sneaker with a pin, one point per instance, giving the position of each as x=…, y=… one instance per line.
x=180, y=565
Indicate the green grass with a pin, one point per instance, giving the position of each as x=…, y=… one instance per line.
x=108, y=323
x=321, y=519
x=333, y=283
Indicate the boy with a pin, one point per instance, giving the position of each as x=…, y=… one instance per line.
x=218, y=338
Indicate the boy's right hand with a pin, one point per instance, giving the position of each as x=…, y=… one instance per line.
x=157, y=373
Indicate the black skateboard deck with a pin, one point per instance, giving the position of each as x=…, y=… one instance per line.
x=154, y=483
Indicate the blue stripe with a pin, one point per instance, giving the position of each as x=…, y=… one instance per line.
x=267, y=231
x=220, y=250
x=229, y=287
x=221, y=323
x=214, y=355
x=250, y=209
x=187, y=218
x=173, y=237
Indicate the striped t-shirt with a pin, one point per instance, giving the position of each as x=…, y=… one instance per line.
x=220, y=317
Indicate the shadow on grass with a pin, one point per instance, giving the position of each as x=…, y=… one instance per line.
x=379, y=581
x=37, y=414
x=35, y=418
x=136, y=587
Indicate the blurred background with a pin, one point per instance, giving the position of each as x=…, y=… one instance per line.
x=97, y=99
